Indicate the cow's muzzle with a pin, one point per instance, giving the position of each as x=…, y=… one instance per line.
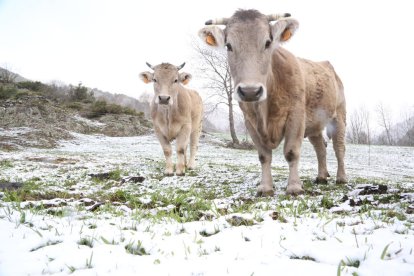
x=250, y=93
x=164, y=99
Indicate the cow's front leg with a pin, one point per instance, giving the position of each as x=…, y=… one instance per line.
x=265, y=187
x=291, y=150
x=266, y=184
x=169, y=168
x=182, y=141
x=167, y=149
x=295, y=186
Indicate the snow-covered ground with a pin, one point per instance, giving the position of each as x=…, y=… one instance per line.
x=101, y=206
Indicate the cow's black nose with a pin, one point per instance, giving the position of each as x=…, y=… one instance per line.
x=164, y=99
x=250, y=93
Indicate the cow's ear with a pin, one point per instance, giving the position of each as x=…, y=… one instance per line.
x=146, y=76
x=212, y=36
x=185, y=78
x=283, y=29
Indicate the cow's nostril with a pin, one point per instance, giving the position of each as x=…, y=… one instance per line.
x=259, y=91
x=240, y=91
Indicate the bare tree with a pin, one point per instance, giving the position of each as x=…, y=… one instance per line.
x=367, y=126
x=384, y=120
x=355, y=127
x=359, y=126
x=407, y=128
x=216, y=72
x=6, y=75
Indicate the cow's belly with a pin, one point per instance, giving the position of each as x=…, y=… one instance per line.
x=317, y=120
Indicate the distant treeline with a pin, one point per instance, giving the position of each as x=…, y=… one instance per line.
x=400, y=133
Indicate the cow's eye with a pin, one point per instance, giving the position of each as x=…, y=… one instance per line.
x=268, y=43
x=154, y=80
x=175, y=81
x=229, y=48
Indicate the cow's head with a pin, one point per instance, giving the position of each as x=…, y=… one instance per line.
x=166, y=79
x=250, y=39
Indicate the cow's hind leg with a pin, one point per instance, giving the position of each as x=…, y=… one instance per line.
x=338, y=140
x=195, y=136
x=319, y=145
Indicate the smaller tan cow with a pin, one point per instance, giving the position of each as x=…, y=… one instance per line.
x=176, y=113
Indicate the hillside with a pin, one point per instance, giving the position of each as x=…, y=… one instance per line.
x=39, y=115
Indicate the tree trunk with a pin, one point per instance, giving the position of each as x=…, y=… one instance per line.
x=231, y=123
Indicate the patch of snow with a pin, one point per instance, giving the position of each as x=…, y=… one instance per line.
x=88, y=121
x=15, y=132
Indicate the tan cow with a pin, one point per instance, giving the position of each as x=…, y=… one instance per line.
x=281, y=96
x=176, y=113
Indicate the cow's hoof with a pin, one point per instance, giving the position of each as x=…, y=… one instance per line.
x=180, y=174
x=341, y=181
x=265, y=193
x=294, y=190
x=321, y=180
x=168, y=174
x=191, y=166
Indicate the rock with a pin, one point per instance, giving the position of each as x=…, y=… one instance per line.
x=372, y=189
x=100, y=176
x=410, y=209
x=134, y=179
x=10, y=185
x=87, y=201
x=274, y=215
x=95, y=206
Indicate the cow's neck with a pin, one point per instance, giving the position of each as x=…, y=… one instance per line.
x=167, y=113
x=261, y=110
x=260, y=113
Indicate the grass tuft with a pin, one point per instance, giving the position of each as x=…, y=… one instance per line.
x=136, y=249
x=87, y=241
x=239, y=221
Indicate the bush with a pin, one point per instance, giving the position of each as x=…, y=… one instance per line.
x=31, y=85
x=97, y=109
x=7, y=92
x=80, y=94
x=101, y=107
x=114, y=109
x=21, y=93
x=130, y=111
x=74, y=105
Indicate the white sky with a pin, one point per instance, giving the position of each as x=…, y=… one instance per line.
x=105, y=44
